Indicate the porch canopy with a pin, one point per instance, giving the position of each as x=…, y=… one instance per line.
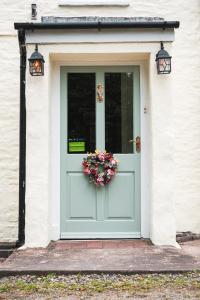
x=98, y=22
x=53, y=29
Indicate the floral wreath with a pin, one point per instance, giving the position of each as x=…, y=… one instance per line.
x=100, y=166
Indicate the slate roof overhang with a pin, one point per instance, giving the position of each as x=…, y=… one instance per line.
x=97, y=23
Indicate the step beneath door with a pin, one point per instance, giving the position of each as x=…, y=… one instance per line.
x=99, y=244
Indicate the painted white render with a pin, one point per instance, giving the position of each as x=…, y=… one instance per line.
x=173, y=112
x=94, y=2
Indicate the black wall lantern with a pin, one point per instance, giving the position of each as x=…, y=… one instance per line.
x=36, y=63
x=163, y=61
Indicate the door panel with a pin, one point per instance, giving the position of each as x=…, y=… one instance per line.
x=87, y=211
x=119, y=202
x=80, y=205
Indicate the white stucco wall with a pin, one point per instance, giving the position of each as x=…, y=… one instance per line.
x=9, y=141
x=184, y=124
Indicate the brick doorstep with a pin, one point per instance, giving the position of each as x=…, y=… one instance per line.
x=98, y=244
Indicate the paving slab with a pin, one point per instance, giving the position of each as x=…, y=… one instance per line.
x=103, y=257
x=192, y=248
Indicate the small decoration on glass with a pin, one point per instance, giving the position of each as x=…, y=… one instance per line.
x=100, y=96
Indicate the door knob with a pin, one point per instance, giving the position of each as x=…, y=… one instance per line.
x=137, y=142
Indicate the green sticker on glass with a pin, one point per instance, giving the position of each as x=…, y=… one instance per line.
x=76, y=146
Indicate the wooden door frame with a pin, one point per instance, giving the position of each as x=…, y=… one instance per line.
x=55, y=142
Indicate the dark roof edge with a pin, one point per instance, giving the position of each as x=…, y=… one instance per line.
x=97, y=25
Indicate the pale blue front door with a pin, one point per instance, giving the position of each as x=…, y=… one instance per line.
x=86, y=125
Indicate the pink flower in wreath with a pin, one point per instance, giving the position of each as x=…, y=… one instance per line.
x=93, y=171
x=85, y=164
x=111, y=172
x=101, y=156
x=99, y=181
x=86, y=171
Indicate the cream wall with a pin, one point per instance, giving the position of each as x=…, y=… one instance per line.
x=184, y=124
x=9, y=140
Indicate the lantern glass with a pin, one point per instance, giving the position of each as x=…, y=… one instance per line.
x=36, y=68
x=164, y=65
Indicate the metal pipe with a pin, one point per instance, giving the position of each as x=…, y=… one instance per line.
x=22, y=139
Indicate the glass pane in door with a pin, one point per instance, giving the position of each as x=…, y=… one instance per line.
x=119, y=112
x=81, y=112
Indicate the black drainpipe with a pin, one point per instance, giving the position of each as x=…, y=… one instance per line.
x=22, y=139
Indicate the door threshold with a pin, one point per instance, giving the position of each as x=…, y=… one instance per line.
x=100, y=235
x=100, y=239
x=99, y=244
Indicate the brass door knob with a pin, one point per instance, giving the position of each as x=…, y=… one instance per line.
x=137, y=142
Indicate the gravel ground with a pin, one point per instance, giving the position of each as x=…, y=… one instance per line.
x=102, y=287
